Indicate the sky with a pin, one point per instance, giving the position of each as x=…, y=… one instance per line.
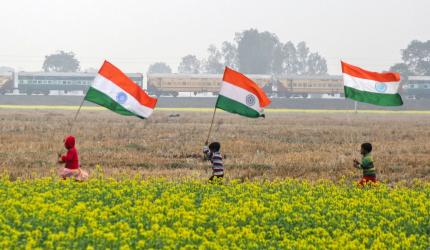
x=133, y=34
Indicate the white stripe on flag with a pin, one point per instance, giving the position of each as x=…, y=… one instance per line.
x=240, y=95
x=370, y=85
x=109, y=88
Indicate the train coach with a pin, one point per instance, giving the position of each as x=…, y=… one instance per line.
x=417, y=87
x=309, y=85
x=172, y=84
x=45, y=82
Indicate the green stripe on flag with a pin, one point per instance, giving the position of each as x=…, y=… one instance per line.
x=236, y=107
x=100, y=98
x=373, y=98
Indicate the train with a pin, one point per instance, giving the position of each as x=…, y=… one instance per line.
x=304, y=86
x=172, y=84
x=416, y=87
x=44, y=82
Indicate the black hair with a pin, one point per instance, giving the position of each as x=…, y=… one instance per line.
x=215, y=146
x=367, y=146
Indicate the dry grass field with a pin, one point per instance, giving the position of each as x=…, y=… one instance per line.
x=295, y=145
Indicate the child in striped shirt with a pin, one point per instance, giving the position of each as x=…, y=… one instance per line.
x=369, y=173
x=213, y=154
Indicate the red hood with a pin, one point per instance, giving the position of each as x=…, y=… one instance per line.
x=69, y=142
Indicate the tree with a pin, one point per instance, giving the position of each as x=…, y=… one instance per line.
x=159, y=67
x=229, y=52
x=417, y=57
x=278, y=61
x=61, y=62
x=213, y=64
x=302, y=58
x=316, y=65
x=290, y=57
x=255, y=51
x=189, y=65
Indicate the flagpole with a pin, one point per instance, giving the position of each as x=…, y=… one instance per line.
x=355, y=106
x=210, y=129
x=76, y=115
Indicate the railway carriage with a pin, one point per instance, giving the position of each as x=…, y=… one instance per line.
x=172, y=84
x=418, y=87
x=44, y=82
x=306, y=85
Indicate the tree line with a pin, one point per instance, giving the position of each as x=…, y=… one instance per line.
x=254, y=52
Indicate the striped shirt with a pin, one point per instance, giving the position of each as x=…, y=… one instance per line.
x=216, y=159
x=367, y=165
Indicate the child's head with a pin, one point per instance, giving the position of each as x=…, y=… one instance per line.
x=366, y=148
x=69, y=142
x=215, y=146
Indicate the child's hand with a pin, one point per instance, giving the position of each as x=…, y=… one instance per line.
x=356, y=163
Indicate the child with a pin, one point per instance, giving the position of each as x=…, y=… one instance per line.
x=214, y=156
x=369, y=174
x=72, y=168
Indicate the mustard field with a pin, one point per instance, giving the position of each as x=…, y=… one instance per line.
x=187, y=214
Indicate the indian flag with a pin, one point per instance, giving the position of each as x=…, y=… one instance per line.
x=371, y=87
x=241, y=95
x=114, y=90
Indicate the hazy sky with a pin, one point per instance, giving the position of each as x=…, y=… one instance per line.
x=132, y=34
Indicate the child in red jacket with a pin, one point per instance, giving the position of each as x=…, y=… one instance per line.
x=72, y=168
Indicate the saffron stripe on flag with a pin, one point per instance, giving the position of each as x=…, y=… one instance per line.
x=244, y=82
x=364, y=74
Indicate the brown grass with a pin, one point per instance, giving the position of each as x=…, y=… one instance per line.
x=309, y=146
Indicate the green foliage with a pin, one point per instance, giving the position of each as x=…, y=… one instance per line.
x=159, y=67
x=61, y=62
x=416, y=59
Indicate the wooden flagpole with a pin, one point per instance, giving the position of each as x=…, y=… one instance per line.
x=355, y=106
x=76, y=115
x=210, y=129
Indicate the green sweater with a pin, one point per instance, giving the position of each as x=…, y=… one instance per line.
x=367, y=165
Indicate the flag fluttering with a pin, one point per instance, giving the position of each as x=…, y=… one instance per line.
x=114, y=90
x=240, y=95
x=371, y=87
